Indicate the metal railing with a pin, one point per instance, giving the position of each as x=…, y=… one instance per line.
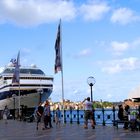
x=102, y=116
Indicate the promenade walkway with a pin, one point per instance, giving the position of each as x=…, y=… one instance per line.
x=17, y=130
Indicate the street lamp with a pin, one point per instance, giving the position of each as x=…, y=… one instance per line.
x=14, y=97
x=91, y=81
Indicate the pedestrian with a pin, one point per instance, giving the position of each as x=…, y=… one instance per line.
x=126, y=114
x=39, y=115
x=57, y=116
x=6, y=113
x=47, y=115
x=88, y=113
x=121, y=112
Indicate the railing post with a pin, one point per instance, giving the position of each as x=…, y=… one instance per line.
x=78, y=116
x=113, y=115
x=103, y=111
x=71, y=115
x=53, y=115
x=64, y=116
x=139, y=109
x=93, y=110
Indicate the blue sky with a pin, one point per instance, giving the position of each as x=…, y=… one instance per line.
x=100, y=38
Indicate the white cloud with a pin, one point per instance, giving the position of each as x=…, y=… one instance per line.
x=34, y=12
x=136, y=42
x=123, y=16
x=116, y=66
x=74, y=91
x=119, y=47
x=94, y=11
x=83, y=53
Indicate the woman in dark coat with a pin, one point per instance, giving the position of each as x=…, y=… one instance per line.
x=121, y=112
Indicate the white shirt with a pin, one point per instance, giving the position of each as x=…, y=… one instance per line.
x=88, y=105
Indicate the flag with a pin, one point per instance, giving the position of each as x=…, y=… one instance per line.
x=15, y=79
x=13, y=60
x=58, y=61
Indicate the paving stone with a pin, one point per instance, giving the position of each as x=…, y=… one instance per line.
x=18, y=130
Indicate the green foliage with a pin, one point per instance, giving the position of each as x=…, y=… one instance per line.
x=103, y=104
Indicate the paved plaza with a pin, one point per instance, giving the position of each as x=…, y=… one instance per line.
x=18, y=130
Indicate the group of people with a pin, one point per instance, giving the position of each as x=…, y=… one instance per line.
x=131, y=118
x=123, y=114
x=43, y=115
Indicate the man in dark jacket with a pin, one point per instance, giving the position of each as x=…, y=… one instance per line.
x=39, y=114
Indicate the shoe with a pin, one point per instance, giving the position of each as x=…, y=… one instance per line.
x=85, y=127
x=93, y=127
x=36, y=128
x=125, y=128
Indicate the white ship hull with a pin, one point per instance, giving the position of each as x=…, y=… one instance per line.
x=34, y=87
x=30, y=100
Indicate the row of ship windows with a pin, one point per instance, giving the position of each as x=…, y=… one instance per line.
x=39, y=78
x=25, y=71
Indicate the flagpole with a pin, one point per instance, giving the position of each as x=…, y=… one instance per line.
x=62, y=80
x=58, y=61
x=19, y=96
x=16, y=78
x=18, y=63
x=19, y=101
x=63, y=95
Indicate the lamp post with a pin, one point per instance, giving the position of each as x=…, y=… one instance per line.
x=40, y=92
x=14, y=97
x=91, y=81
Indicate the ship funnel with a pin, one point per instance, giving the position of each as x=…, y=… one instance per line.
x=33, y=66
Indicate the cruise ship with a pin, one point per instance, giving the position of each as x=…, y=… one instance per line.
x=34, y=87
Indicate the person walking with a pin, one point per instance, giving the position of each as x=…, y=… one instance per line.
x=6, y=113
x=47, y=115
x=121, y=112
x=126, y=114
x=39, y=115
x=88, y=113
x=57, y=116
